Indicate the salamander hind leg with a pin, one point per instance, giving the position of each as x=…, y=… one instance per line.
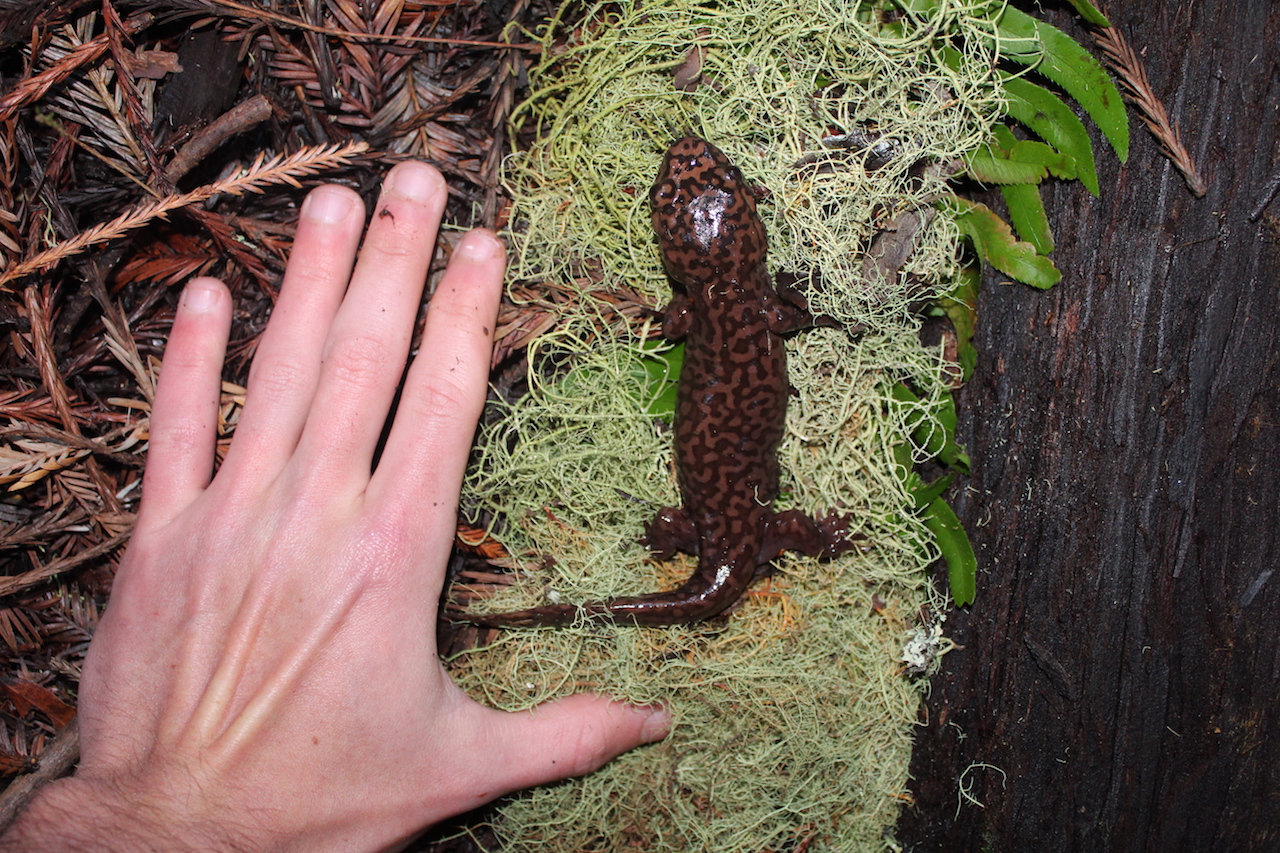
x=792, y=312
x=824, y=537
x=670, y=530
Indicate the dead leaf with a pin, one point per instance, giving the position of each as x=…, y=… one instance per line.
x=27, y=696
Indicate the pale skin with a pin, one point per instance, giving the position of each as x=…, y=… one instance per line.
x=265, y=676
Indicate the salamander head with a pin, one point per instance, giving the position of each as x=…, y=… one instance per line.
x=705, y=217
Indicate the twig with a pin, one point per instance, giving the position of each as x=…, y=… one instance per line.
x=242, y=116
x=99, y=446
x=118, y=337
x=47, y=361
x=277, y=170
x=508, y=78
x=56, y=759
x=55, y=383
x=1133, y=79
x=136, y=121
x=41, y=530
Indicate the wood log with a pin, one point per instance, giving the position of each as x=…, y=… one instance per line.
x=1118, y=685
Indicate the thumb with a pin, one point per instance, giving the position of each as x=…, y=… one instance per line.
x=571, y=737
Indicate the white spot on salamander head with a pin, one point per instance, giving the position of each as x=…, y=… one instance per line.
x=708, y=211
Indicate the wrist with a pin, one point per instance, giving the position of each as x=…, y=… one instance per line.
x=85, y=816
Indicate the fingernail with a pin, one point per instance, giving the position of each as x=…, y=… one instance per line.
x=201, y=296
x=479, y=245
x=414, y=180
x=656, y=726
x=327, y=204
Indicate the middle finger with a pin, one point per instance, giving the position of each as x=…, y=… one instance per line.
x=368, y=342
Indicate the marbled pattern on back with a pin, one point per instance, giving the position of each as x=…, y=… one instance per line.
x=731, y=402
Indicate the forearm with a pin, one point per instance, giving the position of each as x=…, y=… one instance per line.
x=75, y=816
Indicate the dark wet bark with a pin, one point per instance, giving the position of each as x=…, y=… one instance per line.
x=1119, y=683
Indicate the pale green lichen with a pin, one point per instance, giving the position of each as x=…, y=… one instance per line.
x=793, y=716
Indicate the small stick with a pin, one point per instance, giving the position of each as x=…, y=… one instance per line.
x=57, y=758
x=15, y=583
x=241, y=117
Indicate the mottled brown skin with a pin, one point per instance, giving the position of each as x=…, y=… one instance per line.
x=731, y=402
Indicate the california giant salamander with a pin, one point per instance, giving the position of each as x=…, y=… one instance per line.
x=731, y=402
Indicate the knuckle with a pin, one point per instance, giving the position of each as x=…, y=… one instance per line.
x=279, y=377
x=442, y=396
x=592, y=750
x=450, y=307
x=311, y=279
x=186, y=433
x=358, y=360
x=398, y=252
x=184, y=362
x=458, y=309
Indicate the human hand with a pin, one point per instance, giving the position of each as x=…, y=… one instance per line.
x=266, y=676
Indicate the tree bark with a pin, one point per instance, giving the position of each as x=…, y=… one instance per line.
x=1117, y=685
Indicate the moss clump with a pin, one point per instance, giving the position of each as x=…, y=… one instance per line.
x=793, y=716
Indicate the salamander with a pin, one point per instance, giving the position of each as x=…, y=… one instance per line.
x=731, y=403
